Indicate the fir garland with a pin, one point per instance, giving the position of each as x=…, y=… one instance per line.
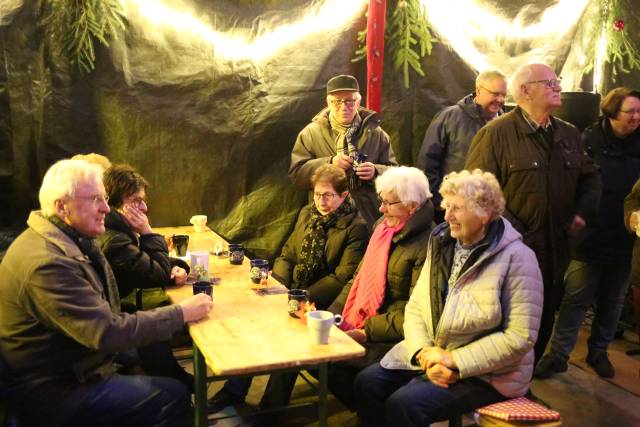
x=77, y=24
x=408, y=37
x=622, y=52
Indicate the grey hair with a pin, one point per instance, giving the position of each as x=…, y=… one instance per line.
x=520, y=77
x=485, y=77
x=62, y=180
x=409, y=184
x=480, y=189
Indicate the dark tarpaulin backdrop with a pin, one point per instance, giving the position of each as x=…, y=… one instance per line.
x=211, y=137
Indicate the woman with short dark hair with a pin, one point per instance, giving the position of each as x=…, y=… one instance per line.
x=601, y=256
x=139, y=258
x=327, y=242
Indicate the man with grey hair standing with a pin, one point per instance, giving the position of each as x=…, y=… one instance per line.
x=551, y=186
x=351, y=138
x=60, y=319
x=448, y=137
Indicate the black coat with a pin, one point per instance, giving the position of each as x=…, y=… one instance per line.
x=346, y=243
x=606, y=238
x=137, y=262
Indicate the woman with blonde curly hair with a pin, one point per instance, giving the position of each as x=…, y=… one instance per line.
x=472, y=319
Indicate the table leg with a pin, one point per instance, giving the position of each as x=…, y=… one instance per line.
x=323, y=391
x=200, y=377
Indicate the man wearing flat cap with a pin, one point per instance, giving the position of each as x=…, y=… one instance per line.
x=351, y=138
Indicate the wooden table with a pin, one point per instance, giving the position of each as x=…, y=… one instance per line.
x=248, y=334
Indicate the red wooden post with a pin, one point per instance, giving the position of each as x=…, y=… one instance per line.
x=375, y=52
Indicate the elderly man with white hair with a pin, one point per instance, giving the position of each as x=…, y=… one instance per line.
x=348, y=136
x=550, y=184
x=60, y=319
x=448, y=137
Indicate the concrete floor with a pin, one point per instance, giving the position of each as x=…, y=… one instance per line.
x=581, y=397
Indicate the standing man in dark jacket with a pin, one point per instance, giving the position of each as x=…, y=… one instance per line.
x=601, y=256
x=60, y=319
x=551, y=186
x=449, y=135
x=349, y=137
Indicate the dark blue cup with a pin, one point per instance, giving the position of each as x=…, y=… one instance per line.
x=180, y=244
x=297, y=300
x=203, y=287
x=259, y=270
x=236, y=253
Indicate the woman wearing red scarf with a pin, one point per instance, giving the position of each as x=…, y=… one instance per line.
x=373, y=301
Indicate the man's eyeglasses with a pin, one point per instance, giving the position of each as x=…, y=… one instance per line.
x=550, y=83
x=496, y=94
x=386, y=203
x=337, y=103
x=97, y=199
x=631, y=112
x=324, y=196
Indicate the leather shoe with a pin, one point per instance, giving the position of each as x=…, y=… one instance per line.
x=549, y=364
x=221, y=400
x=599, y=361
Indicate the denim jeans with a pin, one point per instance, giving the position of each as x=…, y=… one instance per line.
x=134, y=400
x=406, y=398
x=606, y=284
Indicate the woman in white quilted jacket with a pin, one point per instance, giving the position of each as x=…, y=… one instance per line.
x=472, y=319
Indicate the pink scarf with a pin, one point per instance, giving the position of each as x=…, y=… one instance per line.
x=368, y=287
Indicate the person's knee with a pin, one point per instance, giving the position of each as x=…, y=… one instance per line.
x=172, y=401
x=396, y=408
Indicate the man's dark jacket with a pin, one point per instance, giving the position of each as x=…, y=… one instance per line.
x=57, y=330
x=544, y=185
x=447, y=140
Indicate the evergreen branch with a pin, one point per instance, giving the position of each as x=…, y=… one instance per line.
x=78, y=24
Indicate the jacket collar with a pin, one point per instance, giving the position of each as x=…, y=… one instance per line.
x=115, y=221
x=41, y=225
x=500, y=235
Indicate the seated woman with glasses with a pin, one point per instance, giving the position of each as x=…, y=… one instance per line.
x=327, y=243
x=321, y=255
x=472, y=319
x=372, y=303
x=139, y=258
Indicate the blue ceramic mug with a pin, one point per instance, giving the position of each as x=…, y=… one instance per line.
x=203, y=287
x=236, y=253
x=259, y=270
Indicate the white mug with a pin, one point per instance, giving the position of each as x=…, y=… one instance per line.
x=199, y=223
x=200, y=258
x=319, y=324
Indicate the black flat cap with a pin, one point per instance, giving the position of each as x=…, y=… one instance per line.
x=342, y=82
